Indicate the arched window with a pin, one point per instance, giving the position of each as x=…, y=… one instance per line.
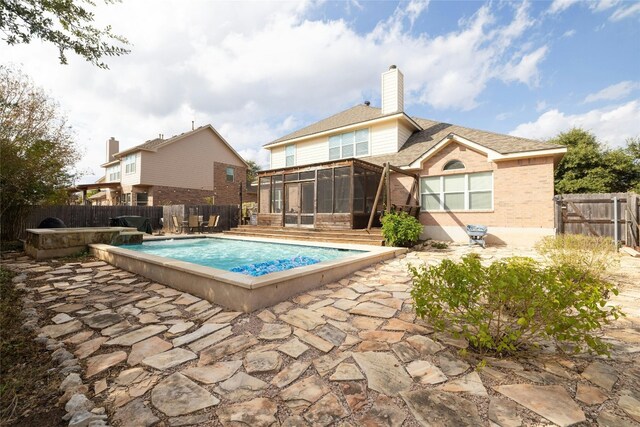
x=453, y=165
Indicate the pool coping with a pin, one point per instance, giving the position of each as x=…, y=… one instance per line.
x=238, y=291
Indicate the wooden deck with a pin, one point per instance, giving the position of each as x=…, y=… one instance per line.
x=360, y=237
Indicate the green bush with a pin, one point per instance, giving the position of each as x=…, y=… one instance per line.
x=512, y=304
x=594, y=255
x=400, y=229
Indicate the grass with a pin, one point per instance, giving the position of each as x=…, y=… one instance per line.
x=28, y=393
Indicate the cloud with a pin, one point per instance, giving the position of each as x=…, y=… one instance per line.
x=541, y=105
x=558, y=6
x=625, y=12
x=613, y=92
x=266, y=68
x=569, y=33
x=612, y=125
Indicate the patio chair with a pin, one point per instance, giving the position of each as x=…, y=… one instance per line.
x=211, y=223
x=177, y=225
x=194, y=223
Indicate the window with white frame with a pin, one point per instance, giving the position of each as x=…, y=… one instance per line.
x=113, y=173
x=469, y=192
x=290, y=155
x=350, y=144
x=130, y=164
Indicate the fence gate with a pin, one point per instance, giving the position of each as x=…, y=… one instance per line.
x=613, y=215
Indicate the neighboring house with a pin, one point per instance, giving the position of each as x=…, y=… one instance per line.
x=326, y=175
x=190, y=168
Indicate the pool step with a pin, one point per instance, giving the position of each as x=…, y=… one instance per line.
x=358, y=237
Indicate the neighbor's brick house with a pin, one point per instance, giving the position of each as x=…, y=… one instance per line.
x=192, y=168
x=457, y=175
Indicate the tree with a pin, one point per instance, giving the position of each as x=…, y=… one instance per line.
x=590, y=167
x=67, y=24
x=36, y=145
x=252, y=171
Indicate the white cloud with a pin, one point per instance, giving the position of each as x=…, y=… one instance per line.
x=613, y=92
x=558, y=6
x=569, y=33
x=612, y=125
x=625, y=12
x=526, y=70
x=265, y=68
x=603, y=5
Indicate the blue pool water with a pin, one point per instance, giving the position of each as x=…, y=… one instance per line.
x=241, y=256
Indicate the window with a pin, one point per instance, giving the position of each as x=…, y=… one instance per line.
x=113, y=173
x=453, y=165
x=350, y=144
x=470, y=191
x=290, y=155
x=142, y=199
x=130, y=164
x=230, y=173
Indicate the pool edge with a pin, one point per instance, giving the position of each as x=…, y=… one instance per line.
x=237, y=291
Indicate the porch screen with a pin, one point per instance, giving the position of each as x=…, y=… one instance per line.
x=342, y=189
x=359, y=188
x=265, y=195
x=373, y=180
x=325, y=191
x=276, y=194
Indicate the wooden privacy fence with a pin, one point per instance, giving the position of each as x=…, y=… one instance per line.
x=16, y=221
x=613, y=215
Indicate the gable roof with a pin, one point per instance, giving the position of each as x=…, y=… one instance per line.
x=359, y=114
x=433, y=133
x=157, y=143
x=428, y=135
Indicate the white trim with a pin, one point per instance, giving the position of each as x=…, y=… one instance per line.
x=492, y=155
x=345, y=129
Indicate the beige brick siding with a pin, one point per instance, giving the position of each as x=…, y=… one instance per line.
x=522, y=190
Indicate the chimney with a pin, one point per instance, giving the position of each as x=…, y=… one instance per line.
x=392, y=92
x=113, y=147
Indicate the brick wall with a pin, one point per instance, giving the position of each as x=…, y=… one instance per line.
x=522, y=192
x=228, y=193
x=162, y=195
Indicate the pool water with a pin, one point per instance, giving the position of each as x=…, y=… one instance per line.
x=242, y=256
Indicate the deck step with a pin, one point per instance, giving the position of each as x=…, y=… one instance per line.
x=357, y=237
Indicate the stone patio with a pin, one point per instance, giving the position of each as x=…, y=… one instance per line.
x=350, y=353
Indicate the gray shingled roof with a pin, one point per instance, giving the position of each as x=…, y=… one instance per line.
x=357, y=114
x=433, y=132
x=152, y=144
x=420, y=141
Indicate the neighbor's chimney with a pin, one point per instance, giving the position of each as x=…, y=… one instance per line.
x=113, y=147
x=392, y=92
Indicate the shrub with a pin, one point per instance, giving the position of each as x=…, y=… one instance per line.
x=513, y=303
x=400, y=229
x=594, y=255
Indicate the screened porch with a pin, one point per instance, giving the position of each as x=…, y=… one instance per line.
x=344, y=194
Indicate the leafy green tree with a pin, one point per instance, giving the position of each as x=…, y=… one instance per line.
x=68, y=24
x=590, y=167
x=37, y=149
x=252, y=171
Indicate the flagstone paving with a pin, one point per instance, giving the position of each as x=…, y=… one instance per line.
x=350, y=353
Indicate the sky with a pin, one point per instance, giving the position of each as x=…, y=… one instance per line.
x=257, y=71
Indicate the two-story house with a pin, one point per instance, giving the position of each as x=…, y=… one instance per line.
x=330, y=173
x=194, y=167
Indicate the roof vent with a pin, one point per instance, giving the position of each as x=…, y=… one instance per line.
x=392, y=67
x=367, y=103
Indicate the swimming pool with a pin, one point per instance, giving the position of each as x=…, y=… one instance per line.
x=237, y=291
x=241, y=256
